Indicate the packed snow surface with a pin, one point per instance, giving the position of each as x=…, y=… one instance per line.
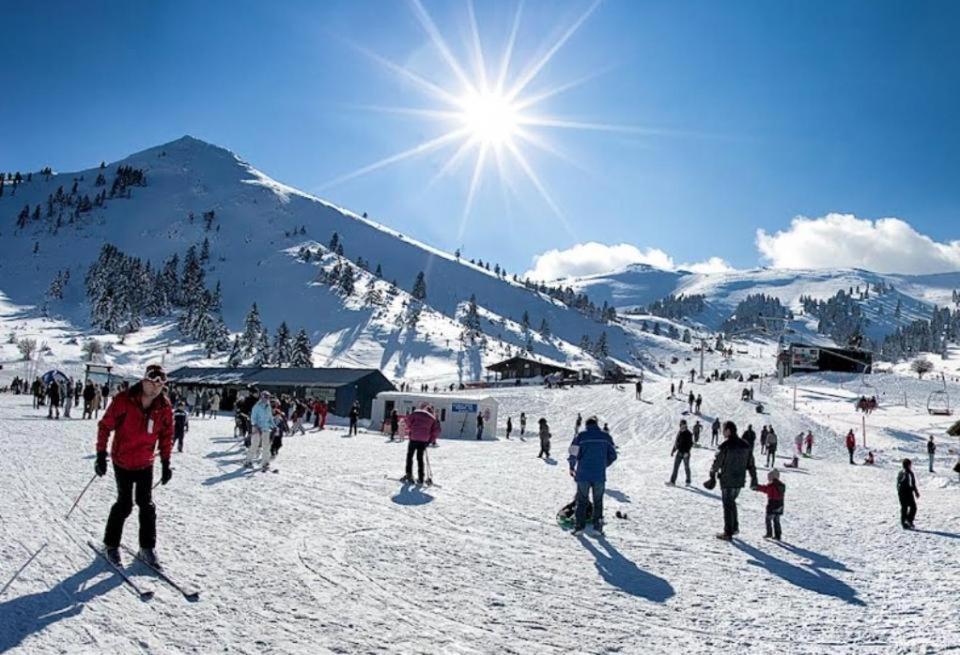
x=331, y=555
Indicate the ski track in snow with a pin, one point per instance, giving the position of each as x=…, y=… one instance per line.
x=331, y=555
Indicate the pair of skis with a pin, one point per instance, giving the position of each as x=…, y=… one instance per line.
x=191, y=595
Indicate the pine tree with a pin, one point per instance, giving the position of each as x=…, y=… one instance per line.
x=373, y=297
x=205, y=251
x=263, y=355
x=419, y=288
x=282, y=348
x=334, y=241
x=471, y=318
x=544, y=329
x=379, y=272
x=252, y=330
x=585, y=343
x=525, y=322
x=346, y=281
x=302, y=351
x=600, y=348
x=235, y=360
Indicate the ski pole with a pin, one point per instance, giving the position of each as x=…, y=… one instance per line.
x=429, y=468
x=77, y=501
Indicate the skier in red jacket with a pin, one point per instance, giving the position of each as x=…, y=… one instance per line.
x=851, y=444
x=140, y=418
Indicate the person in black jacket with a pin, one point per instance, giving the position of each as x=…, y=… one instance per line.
x=354, y=418
x=733, y=461
x=907, y=492
x=53, y=395
x=394, y=424
x=750, y=436
x=715, y=432
x=681, y=452
x=181, y=425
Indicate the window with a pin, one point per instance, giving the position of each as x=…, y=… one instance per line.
x=443, y=414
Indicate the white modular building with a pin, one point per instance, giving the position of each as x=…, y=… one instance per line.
x=457, y=413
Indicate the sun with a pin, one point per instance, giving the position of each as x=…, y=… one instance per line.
x=489, y=113
x=490, y=118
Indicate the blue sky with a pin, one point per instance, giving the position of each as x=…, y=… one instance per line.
x=761, y=112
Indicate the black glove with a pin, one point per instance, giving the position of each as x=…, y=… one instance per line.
x=101, y=466
x=710, y=483
x=166, y=471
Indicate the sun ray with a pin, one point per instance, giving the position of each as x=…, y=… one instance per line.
x=508, y=51
x=534, y=70
x=444, y=114
x=471, y=193
x=422, y=148
x=532, y=176
x=425, y=85
x=452, y=162
x=539, y=142
x=547, y=121
x=431, y=29
x=479, y=62
x=529, y=101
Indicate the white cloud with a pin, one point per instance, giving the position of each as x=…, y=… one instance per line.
x=592, y=258
x=887, y=245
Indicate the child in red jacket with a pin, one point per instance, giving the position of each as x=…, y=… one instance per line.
x=775, y=491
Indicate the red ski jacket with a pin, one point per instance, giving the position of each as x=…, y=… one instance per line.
x=136, y=430
x=851, y=441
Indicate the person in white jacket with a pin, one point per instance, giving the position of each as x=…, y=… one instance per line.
x=261, y=423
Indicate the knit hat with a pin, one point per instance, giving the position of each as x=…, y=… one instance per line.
x=774, y=473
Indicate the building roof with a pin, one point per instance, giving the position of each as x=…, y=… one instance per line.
x=326, y=377
x=516, y=359
x=212, y=376
x=436, y=397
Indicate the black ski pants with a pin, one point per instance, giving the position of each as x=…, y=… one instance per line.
x=677, y=459
x=908, y=508
x=353, y=426
x=178, y=440
x=132, y=486
x=773, y=525
x=771, y=455
x=731, y=525
x=850, y=450
x=418, y=447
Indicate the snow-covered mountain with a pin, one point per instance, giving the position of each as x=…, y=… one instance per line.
x=256, y=228
x=269, y=244
x=638, y=285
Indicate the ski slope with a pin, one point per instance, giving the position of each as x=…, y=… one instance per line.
x=329, y=555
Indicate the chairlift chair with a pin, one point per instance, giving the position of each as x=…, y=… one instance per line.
x=938, y=403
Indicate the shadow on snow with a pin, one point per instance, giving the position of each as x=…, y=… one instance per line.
x=623, y=574
x=810, y=576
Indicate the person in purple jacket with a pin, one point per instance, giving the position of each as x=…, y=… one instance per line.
x=424, y=429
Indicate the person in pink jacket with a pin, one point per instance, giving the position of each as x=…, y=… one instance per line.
x=424, y=430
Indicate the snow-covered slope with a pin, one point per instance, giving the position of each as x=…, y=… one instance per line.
x=639, y=285
x=259, y=225
x=331, y=556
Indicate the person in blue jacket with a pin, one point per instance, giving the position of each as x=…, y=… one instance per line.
x=591, y=452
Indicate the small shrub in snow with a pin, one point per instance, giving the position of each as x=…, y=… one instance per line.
x=27, y=347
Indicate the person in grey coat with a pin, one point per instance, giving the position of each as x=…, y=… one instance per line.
x=733, y=461
x=544, y=439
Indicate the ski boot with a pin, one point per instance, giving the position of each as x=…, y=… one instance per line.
x=113, y=556
x=149, y=557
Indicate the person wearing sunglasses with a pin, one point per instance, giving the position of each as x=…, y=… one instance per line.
x=141, y=419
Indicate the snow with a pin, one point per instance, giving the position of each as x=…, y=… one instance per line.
x=330, y=555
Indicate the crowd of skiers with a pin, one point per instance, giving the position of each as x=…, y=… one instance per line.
x=162, y=421
x=61, y=395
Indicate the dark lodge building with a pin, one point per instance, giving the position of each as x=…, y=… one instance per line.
x=338, y=386
x=526, y=367
x=801, y=357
